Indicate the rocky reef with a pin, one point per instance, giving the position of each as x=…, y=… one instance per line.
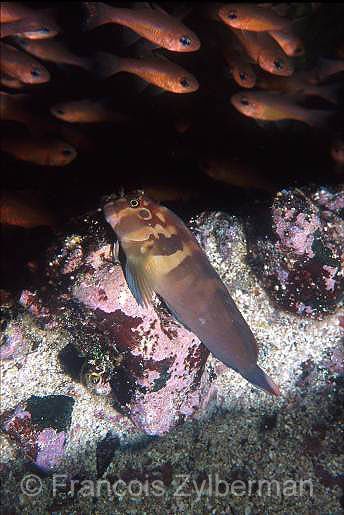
x=96, y=386
x=299, y=256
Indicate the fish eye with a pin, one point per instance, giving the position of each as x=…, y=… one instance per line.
x=134, y=202
x=145, y=214
x=67, y=151
x=184, y=82
x=279, y=64
x=59, y=111
x=35, y=72
x=45, y=30
x=298, y=50
x=232, y=15
x=244, y=101
x=185, y=40
x=243, y=75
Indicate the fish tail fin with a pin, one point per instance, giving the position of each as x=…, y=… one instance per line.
x=105, y=65
x=94, y=15
x=86, y=63
x=319, y=119
x=330, y=92
x=259, y=378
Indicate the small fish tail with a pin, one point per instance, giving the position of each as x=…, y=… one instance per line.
x=86, y=63
x=319, y=119
x=259, y=378
x=330, y=92
x=105, y=65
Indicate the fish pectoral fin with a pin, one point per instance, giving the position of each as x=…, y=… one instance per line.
x=138, y=283
x=174, y=314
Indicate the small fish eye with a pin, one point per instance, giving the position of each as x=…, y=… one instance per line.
x=45, y=30
x=232, y=15
x=298, y=50
x=145, y=214
x=279, y=64
x=67, y=151
x=243, y=75
x=244, y=101
x=35, y=72
x=185, y=40
x=184, y=82
x=134, y=202
x=60, y=111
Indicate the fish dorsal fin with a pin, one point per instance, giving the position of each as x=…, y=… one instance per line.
x=138, y=283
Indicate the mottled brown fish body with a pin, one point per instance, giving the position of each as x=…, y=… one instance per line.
x=163, y=257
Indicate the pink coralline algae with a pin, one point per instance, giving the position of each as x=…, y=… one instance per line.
x=141, y=359
x=15, y=344
x=44, y=448
x=159, y=360
x=50, y=449
x=299, y=256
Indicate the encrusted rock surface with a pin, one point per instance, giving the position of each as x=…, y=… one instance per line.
x=126, y=378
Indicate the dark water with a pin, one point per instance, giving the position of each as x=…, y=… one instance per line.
x=149, y=150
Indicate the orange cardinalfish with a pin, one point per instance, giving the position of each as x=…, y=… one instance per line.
x=53, y=51
x=156, y=26
x=40, y=151
x=23, y=209
x=299, y=82
x=274, y=107
x=328, y=67
x=13, y=11
x=159, y=72
x=22, y=66
x=164, y=258
x=38, y=25
x=11, y=82
x=264, y=51
x=15, y=108
x=251, y=17
x=242, y=71
x=290, y=43
x=235, y=172
x=86, y=111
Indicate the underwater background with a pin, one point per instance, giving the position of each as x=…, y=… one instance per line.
x=95, y=387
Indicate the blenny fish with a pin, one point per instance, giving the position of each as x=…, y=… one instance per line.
x=163, y=257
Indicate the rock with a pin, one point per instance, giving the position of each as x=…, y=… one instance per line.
x=299, y=257
x=43, y=448
x=142, y=360
x=103, y=380
x=50, y=449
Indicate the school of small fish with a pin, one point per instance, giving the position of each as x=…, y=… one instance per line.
x=261, y=48
x=259, y=43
